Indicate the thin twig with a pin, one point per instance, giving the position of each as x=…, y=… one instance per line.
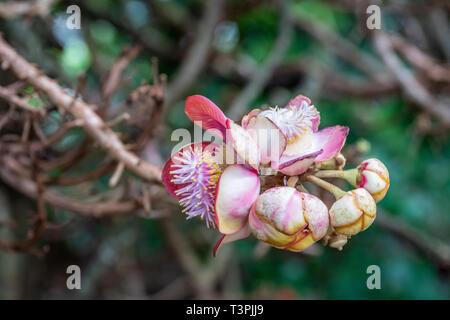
x=10, y=96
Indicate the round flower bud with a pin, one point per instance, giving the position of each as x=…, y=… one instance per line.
x=374, y=177
x=288, y=219
x=353, y=213
x=335, y=163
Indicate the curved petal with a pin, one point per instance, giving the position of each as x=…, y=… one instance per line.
x=316, y=213
x=227, y=238
x=202, y=110
x=311, y=148
x=166, y=172
x=330, y=140
x=246, y=119
x=244, y=145
x=237, y=190
x=270, y=140
x=293, y=165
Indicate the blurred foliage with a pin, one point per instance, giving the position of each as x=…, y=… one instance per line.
x=419, y=166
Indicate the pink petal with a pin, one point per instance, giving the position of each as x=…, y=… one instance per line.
x=320, y=146
x=297, y=102
x=252, y=114
x=202, y=110
x=316, y=213
x=167, y=176
x=228, y=238
x=330, y=140
x=243, y=144
x=237, y=190
x=293, y=165
x=270, y=140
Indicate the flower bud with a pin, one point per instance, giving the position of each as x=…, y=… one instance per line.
x=288, y=219
x=335, y=163
x=353, y=213
x=374, y=177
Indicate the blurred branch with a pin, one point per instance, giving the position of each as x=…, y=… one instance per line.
x=412, y=88
x=262, y=75
x=39, y=223
x=13, y=9
x=202, y=277
x=174, y=290
x=289, y=74
x=112, y=80
x=9, y=95
x=342, y=47
x=197, y=56
x=438, y=251
x=419, y=59
x=186, y=258
x=172, y=14
x=110, y=250
x=11, y=264
x=439, y=22
x=95, y=209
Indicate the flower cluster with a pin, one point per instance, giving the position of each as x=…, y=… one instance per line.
x=221, y=182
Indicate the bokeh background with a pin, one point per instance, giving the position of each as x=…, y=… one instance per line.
x=246, y=54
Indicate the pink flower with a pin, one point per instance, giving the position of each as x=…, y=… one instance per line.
x=219, y=195
x=226, y=193
x=296, y=126
x=204, y=112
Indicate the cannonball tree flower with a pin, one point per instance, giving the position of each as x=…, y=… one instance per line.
x=295, y=128
x=220, y=195
x=288, y=219
x=208, y=115
x=225, y=192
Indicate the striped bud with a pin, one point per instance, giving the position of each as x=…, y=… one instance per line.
x=353, y=213
x=374, y=177
x=288, y=219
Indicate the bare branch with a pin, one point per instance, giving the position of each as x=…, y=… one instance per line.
x=411, y=87
x=12, y=9
x=11, y=97
x=96, y=209
x=92, y=123
x=342, y=47
x=420, y=59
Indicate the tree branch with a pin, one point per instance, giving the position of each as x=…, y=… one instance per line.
x=92, y=123
x=408, y=82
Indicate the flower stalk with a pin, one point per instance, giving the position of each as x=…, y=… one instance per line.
x=336, y=191
x=348, y=175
